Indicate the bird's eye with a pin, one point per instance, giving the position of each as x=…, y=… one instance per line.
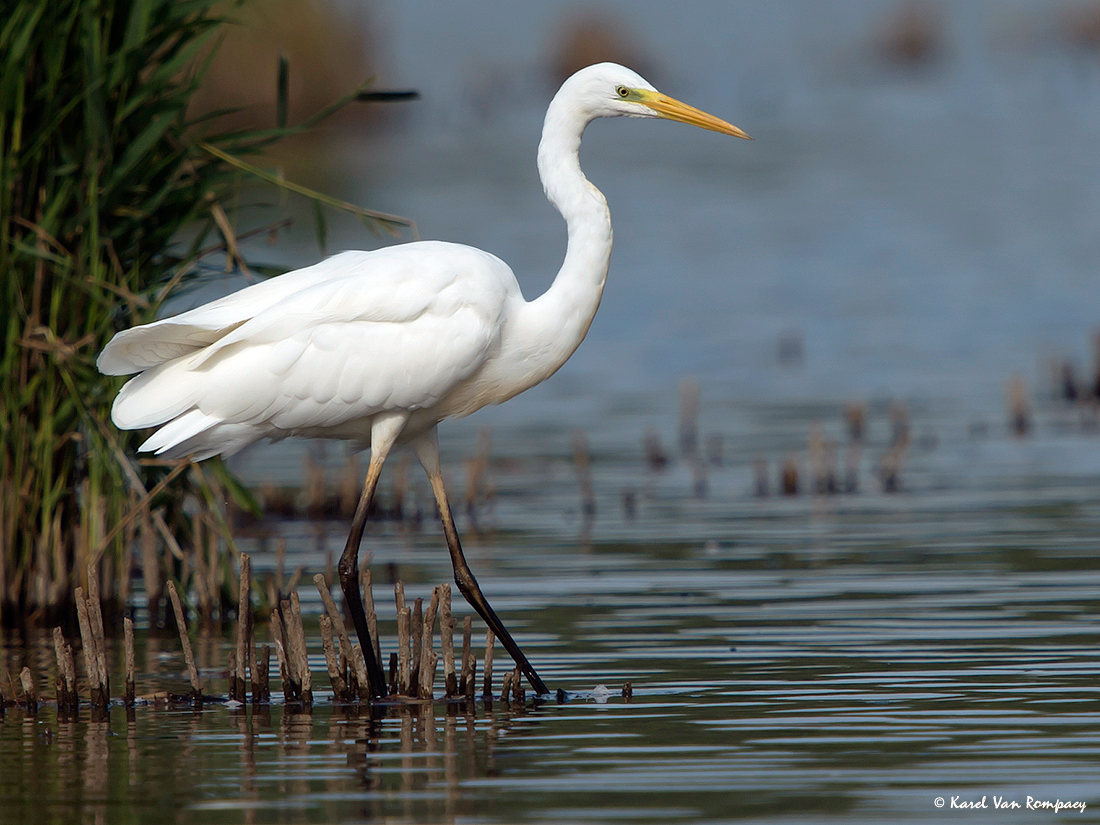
x=622, y=91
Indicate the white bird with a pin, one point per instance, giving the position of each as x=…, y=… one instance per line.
x=378, y=347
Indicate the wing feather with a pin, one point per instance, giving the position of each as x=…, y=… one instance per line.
x=399, y=334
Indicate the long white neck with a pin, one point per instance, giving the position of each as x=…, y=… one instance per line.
x=556, y=322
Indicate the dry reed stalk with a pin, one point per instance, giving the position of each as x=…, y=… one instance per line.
x=244, y=628
x=368, y=606
x=417, y=641
x=67, y=699
x=446, y=636
x=296, y=636
x=427, y=640
x=291, y=687
x=95, y=617
x=128, y=635
x=261, y=686
x=348, y=669
x=30, y=695
x=487, y=685
x=469, y=664
x=518, y=692
x=185, y=642
x=360, y=668
x=301, y=652
x=91, y=660
x=428, y=668
x=404, y=646
x=399, y=595
x=339, y=686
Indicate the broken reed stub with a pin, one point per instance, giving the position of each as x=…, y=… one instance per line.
x=428, y=668
x=429, y=660
x=360, y=665
x=446, y=638
x=469, y=663
x=404, y=649
x=399, y=595
x=95, y=615
x=518, y=692
x=338, y=626
x=291, y=688
x=185, y=642
x=67, y=699
x=261, y=686
x=487, y=685
x=128, y=635
x=417, y=642
x=30, y=695
x=96, y=688
x=300, y=652
x=244, y=630
x=336, y=678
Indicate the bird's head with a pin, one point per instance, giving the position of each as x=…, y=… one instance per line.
x=611, y=90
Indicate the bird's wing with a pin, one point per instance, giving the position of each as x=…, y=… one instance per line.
x=401, y=338
x=142, y=347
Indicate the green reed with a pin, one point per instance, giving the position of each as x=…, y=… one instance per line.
x=102, y=172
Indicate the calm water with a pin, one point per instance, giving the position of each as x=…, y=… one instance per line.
x=848, y=657
x=924, y=234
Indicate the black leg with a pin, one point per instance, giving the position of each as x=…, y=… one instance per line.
x=470, y=589
x=348, y=568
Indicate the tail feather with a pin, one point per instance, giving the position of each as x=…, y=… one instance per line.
x=198, y=436
x=156, y=396
x=178, y=431
x=221, y=439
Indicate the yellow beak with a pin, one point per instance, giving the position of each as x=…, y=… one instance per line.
x=672, y=109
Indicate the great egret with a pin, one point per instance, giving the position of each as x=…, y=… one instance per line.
x=379, y=347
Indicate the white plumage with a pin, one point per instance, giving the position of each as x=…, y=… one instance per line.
x=315, y=352
x=378, y=347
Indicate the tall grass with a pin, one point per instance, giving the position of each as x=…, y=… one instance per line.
x=101, y=174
